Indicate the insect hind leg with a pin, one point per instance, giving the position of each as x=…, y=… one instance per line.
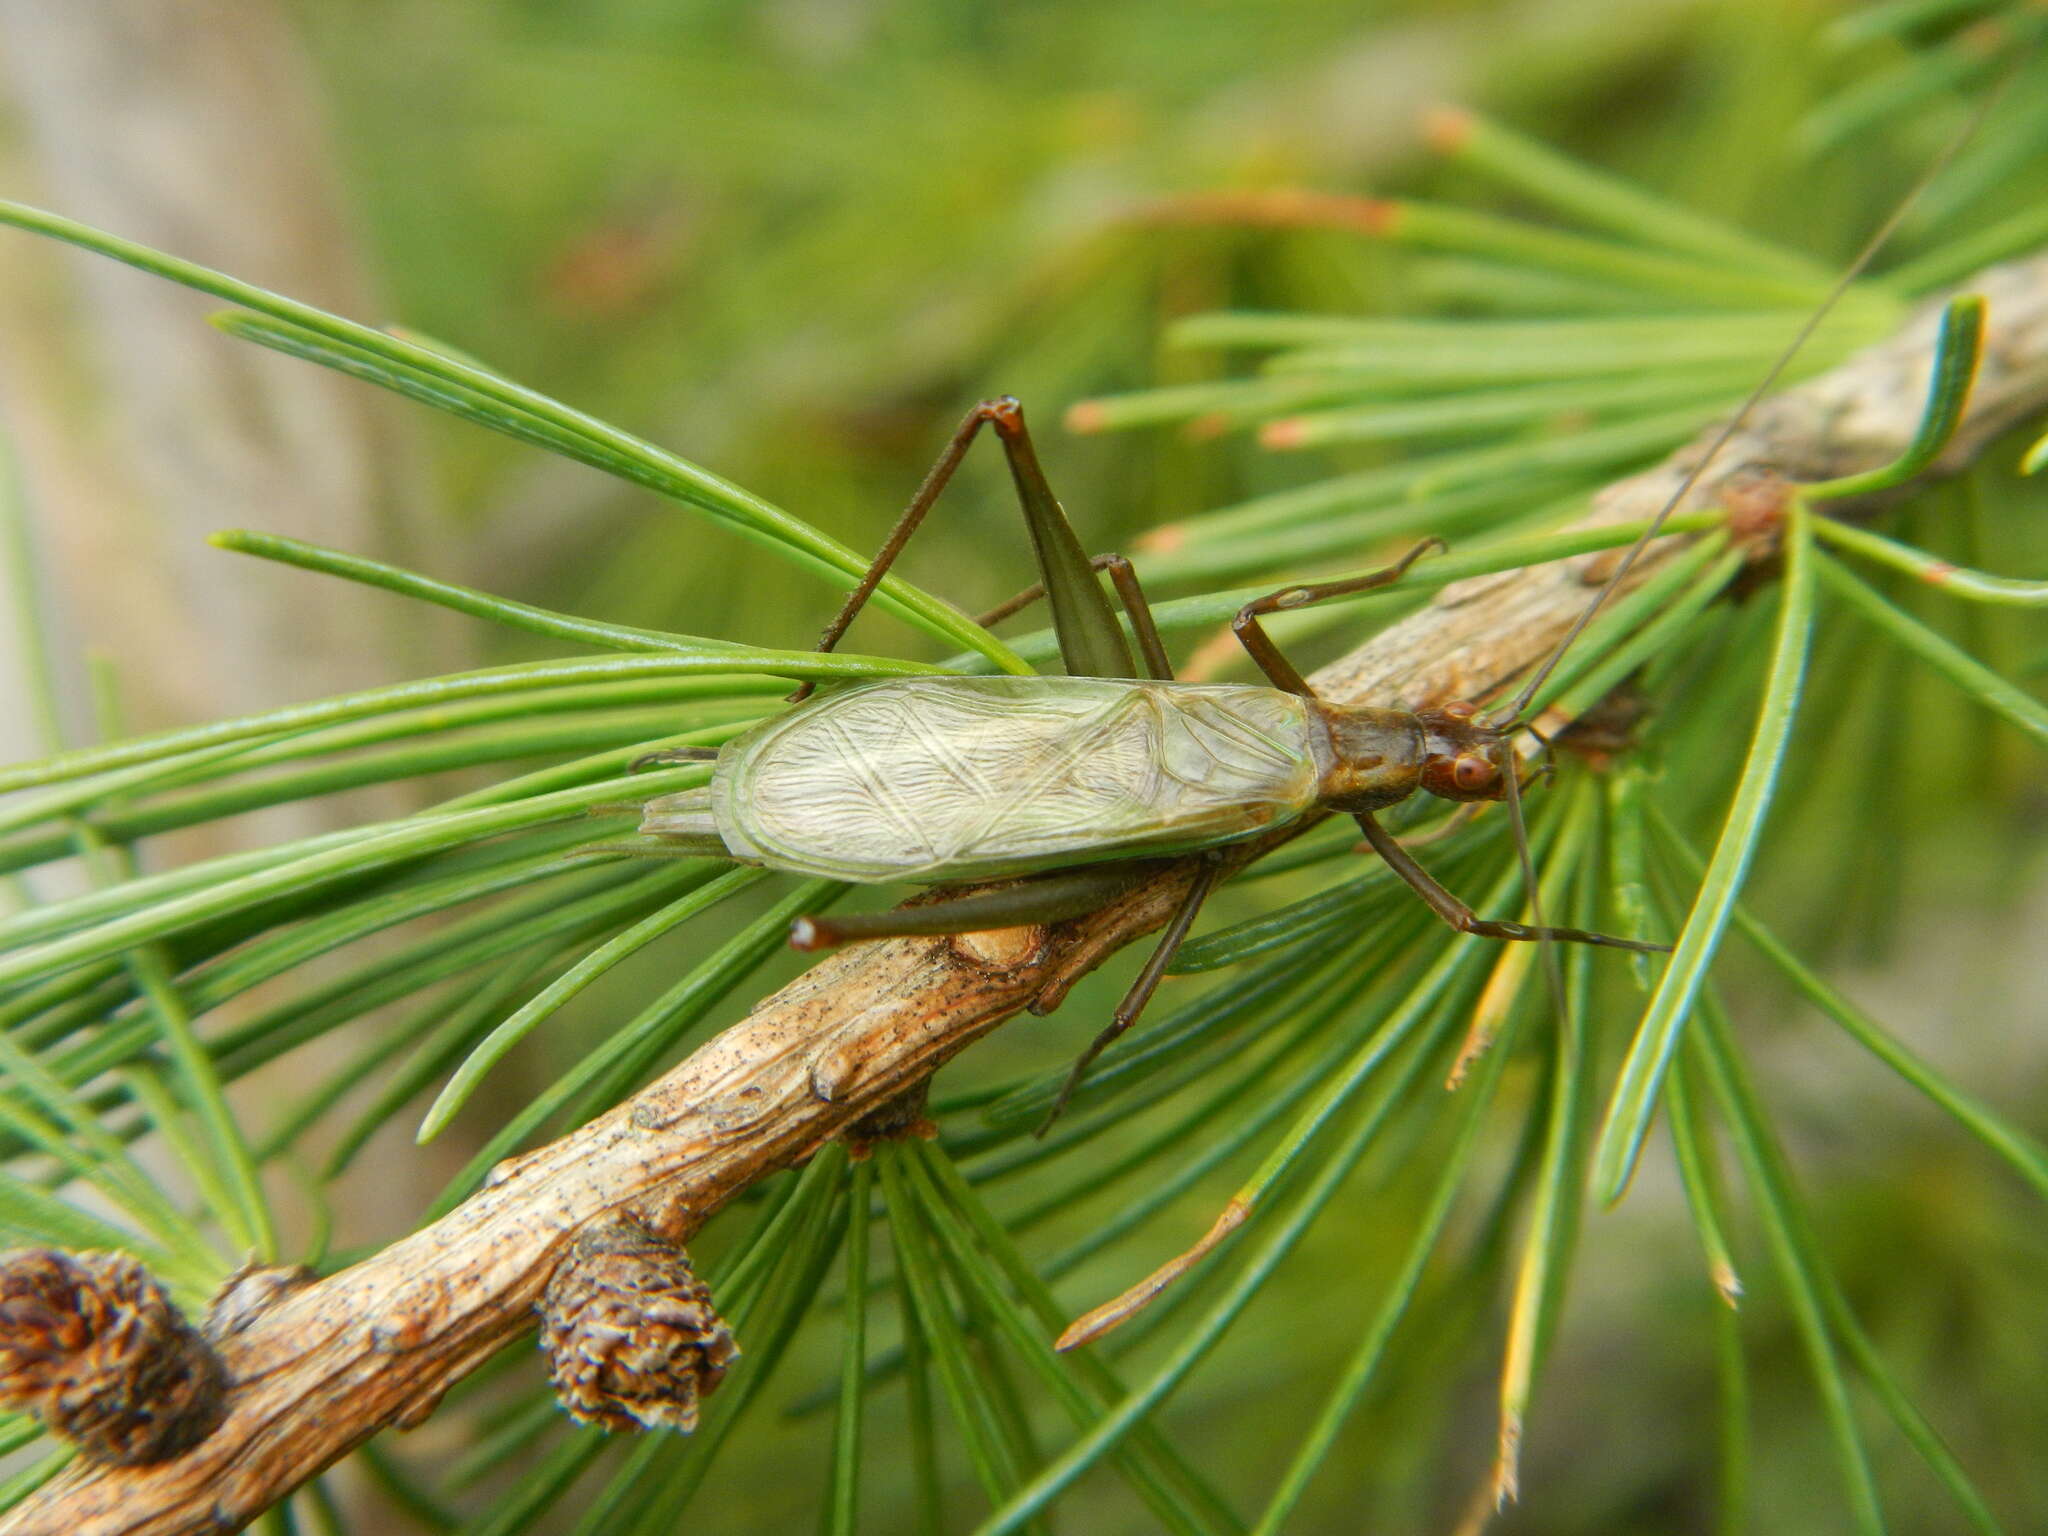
x=1091, y=641
x=671, y=848
x=1049, y=898
x=1124, y=578
x=1141, y=991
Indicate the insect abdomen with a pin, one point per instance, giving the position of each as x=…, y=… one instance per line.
x=950, y=778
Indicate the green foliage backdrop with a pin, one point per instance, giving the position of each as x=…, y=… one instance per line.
x=796, y=244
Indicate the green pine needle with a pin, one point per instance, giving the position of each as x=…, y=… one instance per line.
x=1635, y=1097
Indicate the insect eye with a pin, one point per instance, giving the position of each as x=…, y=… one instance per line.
x=1471, y=771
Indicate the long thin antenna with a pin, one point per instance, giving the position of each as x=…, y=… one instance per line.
x=1553, y=972
x=1735, y=423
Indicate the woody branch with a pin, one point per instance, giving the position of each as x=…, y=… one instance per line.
x=318, y=1367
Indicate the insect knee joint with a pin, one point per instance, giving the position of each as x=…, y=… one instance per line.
x=1004, y=412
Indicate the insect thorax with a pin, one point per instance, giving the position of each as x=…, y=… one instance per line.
x=1366, y=759
x=1370, y=758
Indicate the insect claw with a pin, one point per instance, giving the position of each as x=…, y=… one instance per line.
x=1059, y=1104
x=1579, y=936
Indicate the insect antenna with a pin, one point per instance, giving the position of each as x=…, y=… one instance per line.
x=1856, y=268
x=1553, y=971
x=1518, y=825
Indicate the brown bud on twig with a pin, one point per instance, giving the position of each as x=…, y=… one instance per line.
x=91, y=1345
x=630, y=1333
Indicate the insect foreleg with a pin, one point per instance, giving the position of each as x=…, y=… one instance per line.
x=1253, y=637
x=1142, y=989
x=1462, y=917
x=1129, y=593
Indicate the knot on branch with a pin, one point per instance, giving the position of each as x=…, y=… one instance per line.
x=1757, y=498
x=630, y=1333
x=92, y=1346
x=250, y=1292
x=902, y=1118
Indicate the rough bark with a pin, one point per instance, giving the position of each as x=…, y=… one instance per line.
x=328, y=1364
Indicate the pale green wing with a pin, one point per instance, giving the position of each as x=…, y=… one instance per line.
x=969, y=778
